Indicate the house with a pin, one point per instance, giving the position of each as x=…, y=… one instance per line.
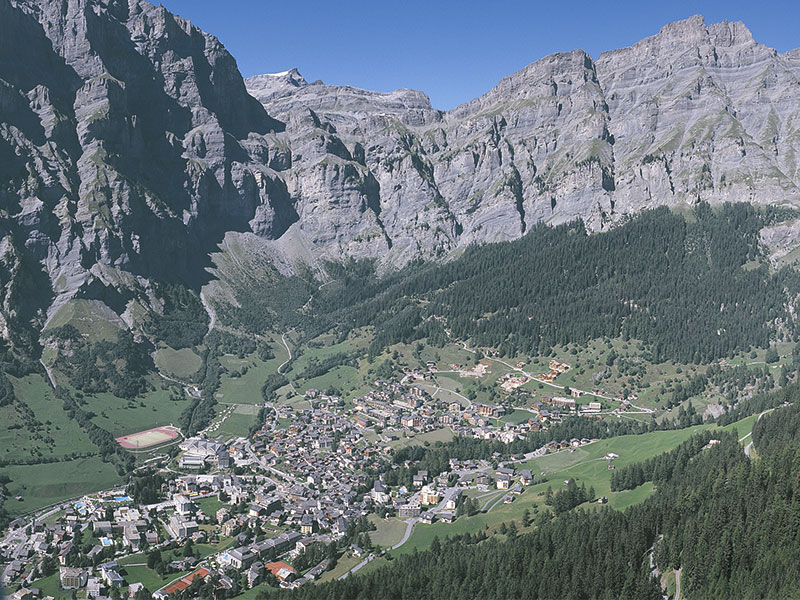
x=229, y=526
x=427, y=517
x=526, y=477
x=131, y=539
x=62, y=554
x=133, y=588
x=503, y=481
x=72, y=579
x=269, y=548
x=112, y=578
x=339, y=526
x=183, y=506
x=411, y=421
x=181, y=528
x=447, y=517
x=453, y=497
x=318, y=570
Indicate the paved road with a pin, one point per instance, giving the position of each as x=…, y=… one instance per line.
x=407, y=534
x=749, y=446
x=747, y=449
x=514, y=488
x=494, y=496
x=358, y=566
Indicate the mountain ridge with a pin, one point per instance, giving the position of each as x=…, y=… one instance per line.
x=128, y=135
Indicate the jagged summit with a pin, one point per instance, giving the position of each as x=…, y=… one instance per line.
x=128, y=134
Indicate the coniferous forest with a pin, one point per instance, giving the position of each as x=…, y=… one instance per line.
x=694, y=289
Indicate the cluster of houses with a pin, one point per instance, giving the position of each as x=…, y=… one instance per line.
x=302, y=480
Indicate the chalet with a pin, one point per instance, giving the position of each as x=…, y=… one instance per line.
x=526, y=477
x=453, y=498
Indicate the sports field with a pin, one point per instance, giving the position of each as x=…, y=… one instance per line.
x=148, y=438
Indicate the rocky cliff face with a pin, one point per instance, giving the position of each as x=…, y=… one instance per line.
x=130, y=147
x=694, y=113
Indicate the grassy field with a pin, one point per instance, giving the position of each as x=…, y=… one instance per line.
x=181, y=363
x=121, y=417
x=51, y=586
x=346, y=562
x=246, y=389
x=389, y=532
x=52, y=434
x=40, y=485
x=437, y=435
x=517, y=416
x=209, y=505
x=348, y=380
x=238, y=423
x=91, y=317
x=151, y=580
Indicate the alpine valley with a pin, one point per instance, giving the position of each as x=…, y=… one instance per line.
x=520, y=348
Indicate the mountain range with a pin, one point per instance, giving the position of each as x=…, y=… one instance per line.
x=133, y=152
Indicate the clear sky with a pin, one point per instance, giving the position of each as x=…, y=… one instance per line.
x=451, y=50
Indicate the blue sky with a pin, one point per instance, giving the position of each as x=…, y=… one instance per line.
x=453, y=51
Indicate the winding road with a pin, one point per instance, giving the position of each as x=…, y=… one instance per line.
x=407, y=534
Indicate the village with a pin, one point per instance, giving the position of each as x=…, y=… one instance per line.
x=279, y=506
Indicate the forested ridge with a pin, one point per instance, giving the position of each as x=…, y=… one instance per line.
x=694, y=289
x=731, y=524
